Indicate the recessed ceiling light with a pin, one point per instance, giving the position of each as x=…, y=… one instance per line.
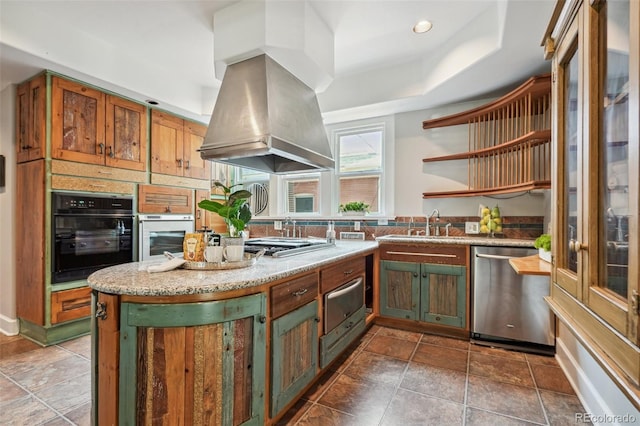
x=152, y=102
x=422, y=27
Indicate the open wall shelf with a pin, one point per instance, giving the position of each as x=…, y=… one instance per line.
x=509, y=142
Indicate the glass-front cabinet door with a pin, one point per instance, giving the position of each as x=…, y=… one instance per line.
x=595, y=45
x=609, y=293
x=570, y=196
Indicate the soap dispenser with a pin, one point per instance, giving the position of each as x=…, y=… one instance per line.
x=331, y=233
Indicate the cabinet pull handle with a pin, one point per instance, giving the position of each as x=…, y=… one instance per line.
x=95, y=185
x=317, y=319
x=262, y=319
x=406, y=253
x=300, y=292
x=101, y=146
x=101, y=310
x=187, y=164
x=104, y=172
x=198, y=214
x=349, y=272
x=111, y=154
x=179, y=160
x=168, y=209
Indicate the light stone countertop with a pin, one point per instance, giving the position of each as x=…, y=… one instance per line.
x=134, y=279
x=465, y=240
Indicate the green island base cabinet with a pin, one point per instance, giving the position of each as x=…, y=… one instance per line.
x=426, y=286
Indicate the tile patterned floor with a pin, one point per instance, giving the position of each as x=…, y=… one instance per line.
x=389, y=377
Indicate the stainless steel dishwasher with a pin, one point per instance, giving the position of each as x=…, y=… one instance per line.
x=509, y=309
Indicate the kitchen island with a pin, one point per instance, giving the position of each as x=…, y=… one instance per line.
x=187, y=347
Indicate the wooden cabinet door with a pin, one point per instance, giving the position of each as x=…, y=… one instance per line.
x=399, y=289
x=443, y=294
x=194, y=165
x=126, y=134
x=205, y=218
x=30, y=241
x=294, y=346
x=31, y=100
x=167, y=142
x=78, y=122
x=191, y=363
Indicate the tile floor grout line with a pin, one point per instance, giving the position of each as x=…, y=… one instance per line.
x=535, y=383
x=404, y=372
x=30, y=394
x=466, y=386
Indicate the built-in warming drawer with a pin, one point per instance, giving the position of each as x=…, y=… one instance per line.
x=338, y=339
x=292, y=294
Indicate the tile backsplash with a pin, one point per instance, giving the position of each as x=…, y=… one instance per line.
x=525, y=227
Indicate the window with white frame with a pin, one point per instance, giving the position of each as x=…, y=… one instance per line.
x=359, y=165
x=363, y=152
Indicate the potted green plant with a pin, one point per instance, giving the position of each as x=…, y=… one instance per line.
x=543, y=244
x=234, y=210
x=354, y=208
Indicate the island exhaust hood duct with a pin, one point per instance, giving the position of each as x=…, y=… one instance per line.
x=266, y=119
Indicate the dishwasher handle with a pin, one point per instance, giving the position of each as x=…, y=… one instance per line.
x=495, y=256
x=350, y=286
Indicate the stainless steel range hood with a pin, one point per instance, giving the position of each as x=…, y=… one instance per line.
x=267, y=119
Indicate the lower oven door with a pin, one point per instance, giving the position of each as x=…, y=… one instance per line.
x=340, y=303
x=85, y=243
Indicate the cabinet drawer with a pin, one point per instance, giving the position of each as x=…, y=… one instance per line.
x=186, y=182
x=72, y=304
x=288, y=296
x=91, y=185
x=336, y=275
x=70, y=168
x=439, y=254
x=162, y=199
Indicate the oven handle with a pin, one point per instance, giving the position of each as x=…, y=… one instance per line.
x=349, y=287
x=109, y=215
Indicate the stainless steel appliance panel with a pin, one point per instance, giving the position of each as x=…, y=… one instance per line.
x=342, y=302
x=507, y=305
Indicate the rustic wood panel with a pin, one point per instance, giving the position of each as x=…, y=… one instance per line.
x=336, y=275
x=194, y=166
x=167, y=142
x=31, y=119
x=443, y=294
x=108, y=349
x=30, y=241
x=160, y=199
x=242, y=374
x=70, y=304
x=91, y=185
x=288, y=296
x=186, y=182
x=399, y=290
x=78, y=122
x=206, y=218
x=126, y=134
x=59, y=167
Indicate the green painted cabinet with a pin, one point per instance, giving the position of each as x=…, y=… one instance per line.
x=435, y=293
x=294, y=346
x=192, y=363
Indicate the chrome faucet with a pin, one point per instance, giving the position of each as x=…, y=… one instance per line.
x=446, y=229
x=436, y=232
x=410, y=230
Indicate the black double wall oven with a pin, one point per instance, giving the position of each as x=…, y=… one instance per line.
x=90, y=232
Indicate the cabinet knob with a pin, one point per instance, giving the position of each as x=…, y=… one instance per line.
x=575, y=246
x=424, y=275
x=415, y=274
x=111, y=154
x=262, y=319
x=101, y=150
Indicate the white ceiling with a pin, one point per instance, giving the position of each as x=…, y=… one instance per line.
x=164, y=50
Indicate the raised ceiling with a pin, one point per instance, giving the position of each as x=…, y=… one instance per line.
x=164, y=50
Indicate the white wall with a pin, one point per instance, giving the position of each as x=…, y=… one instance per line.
x=8, y=322
x=412, y=178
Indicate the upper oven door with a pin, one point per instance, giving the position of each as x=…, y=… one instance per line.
x=160, y=233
